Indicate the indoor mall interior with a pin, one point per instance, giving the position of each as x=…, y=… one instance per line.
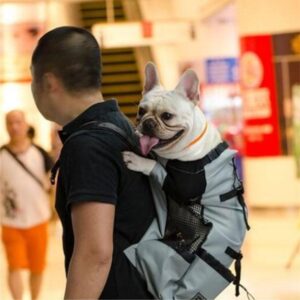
x=246, y=54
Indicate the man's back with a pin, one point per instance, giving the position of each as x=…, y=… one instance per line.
x=92, y=168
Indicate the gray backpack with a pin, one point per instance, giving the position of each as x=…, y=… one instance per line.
x=188, y=256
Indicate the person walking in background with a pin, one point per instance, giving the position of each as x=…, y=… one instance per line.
x=104, y=207
x=47, y=157
x=31, y=132
x=25, y=209
x=55, y=148
x=55, y=141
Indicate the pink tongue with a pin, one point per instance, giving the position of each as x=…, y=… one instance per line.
x=147, y=143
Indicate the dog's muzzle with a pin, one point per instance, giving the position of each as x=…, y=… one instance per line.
x=148, y=127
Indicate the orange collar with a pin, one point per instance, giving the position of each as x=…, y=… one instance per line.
x=199, y=137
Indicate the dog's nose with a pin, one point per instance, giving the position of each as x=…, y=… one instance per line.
x=149, y=127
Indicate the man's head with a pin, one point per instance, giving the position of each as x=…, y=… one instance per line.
x=16, y=125
x=67, y=60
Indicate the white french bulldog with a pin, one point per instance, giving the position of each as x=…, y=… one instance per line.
x=206, y=215
x=171, y=123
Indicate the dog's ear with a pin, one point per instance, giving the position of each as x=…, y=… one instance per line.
x=151, y=77
x=189, y=85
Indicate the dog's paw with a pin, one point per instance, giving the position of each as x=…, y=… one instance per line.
x=138, y=163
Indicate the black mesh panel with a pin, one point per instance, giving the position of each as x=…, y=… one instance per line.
x=186, y=229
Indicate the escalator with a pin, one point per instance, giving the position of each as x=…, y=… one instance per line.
x=121, y=74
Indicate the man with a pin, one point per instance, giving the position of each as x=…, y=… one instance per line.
x=25, y=205
x=103, y=207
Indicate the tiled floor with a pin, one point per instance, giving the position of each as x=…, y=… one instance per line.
x=269, y=244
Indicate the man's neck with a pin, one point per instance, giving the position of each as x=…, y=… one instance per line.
x=19, y=145
x=78, y=105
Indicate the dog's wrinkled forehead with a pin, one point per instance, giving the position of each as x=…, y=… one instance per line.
x=187, y=86
x=156, y=95
x=179, y=102
x=161, y=99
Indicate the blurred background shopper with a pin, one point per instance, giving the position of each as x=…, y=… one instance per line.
x=24, y=205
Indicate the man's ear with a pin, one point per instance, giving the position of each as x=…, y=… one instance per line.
x=189, y=85
x=151, y=77
x=51, y=83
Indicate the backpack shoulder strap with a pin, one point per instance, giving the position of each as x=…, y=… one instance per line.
x=128, y=139
x=97, y=125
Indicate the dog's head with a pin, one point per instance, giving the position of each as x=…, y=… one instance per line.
x=166, y=119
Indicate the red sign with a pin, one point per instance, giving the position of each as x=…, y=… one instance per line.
x=147, y=29
x=261, y=122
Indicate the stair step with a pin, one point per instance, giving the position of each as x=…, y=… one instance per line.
x=126, y=57
x=119, y=68
x=126, y=88
x=99, y=4
x=132, y=110
x=126, y=99
x=122, y=78
x=116, y=51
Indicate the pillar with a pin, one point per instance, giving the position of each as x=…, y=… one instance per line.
x=269, y=35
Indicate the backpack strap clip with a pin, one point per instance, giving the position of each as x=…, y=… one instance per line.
x=214, y=153
x=53, y=171
x=237, y=266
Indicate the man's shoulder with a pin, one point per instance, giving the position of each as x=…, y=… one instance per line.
x=108, y=134
x=92, y=146
x=88, y=138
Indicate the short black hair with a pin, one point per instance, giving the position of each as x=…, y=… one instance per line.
x=72, y=54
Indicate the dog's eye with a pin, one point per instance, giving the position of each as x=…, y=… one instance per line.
x=166, y=116
x=141, y=111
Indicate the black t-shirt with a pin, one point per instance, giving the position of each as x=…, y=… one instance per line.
x=92, y=169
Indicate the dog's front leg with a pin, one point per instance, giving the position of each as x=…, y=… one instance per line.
x=138, y=163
